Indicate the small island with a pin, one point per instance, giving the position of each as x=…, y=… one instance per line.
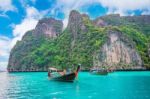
x=111, y=42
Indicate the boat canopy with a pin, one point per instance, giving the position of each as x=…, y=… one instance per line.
x=51, y=68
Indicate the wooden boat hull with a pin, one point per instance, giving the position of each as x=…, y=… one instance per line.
x=65, y=78
x=99, y=72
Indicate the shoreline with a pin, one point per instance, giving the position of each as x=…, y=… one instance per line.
x=86, y=70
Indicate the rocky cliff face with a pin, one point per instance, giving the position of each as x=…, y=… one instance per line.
x=141, y=23
x=149, y=51
x=99, y=22
x=49, y=27
x=118, y=53
x=75, y=24
x=21, y=57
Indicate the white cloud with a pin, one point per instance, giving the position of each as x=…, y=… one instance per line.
x=4, y=46
x=4, y=51
x=4, y=15
x=3, y=66
x=33, y=1
x=123, y=6
x=114, y=6
x=28, y=23
x=20, y=29
x=25, y=3
x=65, y=23
x=126, y=4
x=6, y=5
x=32, y=12
x=146, y=12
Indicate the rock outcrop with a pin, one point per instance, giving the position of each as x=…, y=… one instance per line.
x=118, y=52
x=149, y=51
x=99, y=22
x=142, y=23
x=75, y=23
x=21, y=58
x=49, y=27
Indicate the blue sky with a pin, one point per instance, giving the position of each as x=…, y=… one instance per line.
x=19, y=16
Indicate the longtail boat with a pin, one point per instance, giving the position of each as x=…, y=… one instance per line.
x=61, y=75
x=97, y=71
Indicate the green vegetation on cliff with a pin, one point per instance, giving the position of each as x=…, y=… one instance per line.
x=64, y=51
x=141, y=42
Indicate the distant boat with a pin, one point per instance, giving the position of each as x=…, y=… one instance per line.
x=99, y=71
x=61, y=75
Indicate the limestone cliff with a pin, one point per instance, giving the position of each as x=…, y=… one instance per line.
x=49, y=27
x=21, y=58
x=118, y=52
x=76, y=25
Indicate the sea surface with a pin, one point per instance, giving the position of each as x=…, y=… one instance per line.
x=35, y=85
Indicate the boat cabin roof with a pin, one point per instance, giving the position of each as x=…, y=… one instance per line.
x=52, y=68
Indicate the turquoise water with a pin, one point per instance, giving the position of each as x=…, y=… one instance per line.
x=35, y=85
